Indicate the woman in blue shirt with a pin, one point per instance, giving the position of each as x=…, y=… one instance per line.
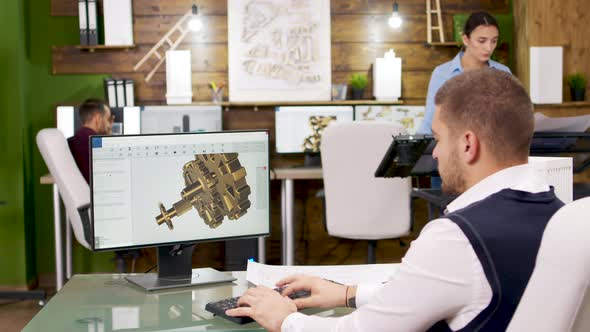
x=480, y=37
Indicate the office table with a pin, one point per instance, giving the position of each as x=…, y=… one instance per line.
x=107, y=302
x=57, y=231
x=287, y=177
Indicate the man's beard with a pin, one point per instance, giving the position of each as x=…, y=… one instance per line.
x=453, y=181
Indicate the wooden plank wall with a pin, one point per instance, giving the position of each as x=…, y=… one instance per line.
x=359, y=34
x=553, y=23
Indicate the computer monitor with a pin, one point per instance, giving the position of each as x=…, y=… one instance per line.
x=298, y=128
x=408, y=116
x=68, y=120
x=173, y=190
x=180, y=119
x=127, y=120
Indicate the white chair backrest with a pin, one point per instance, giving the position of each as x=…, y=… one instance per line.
x=73, y=189
x=359, y=205
x=554, y=299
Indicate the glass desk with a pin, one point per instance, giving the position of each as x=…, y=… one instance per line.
x=107, y=302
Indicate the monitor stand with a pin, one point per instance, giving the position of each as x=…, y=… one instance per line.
x=312, y=159
x=175, y=270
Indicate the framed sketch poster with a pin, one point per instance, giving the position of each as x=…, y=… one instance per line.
x=408, y=116
x=279, y=50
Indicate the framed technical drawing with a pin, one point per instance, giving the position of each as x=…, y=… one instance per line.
x=409, y=116
x=279, y=50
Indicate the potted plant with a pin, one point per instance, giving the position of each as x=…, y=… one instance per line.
x=358, y=83
x=577, y=83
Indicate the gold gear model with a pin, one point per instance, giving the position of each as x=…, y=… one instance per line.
x=317, y=123
x=215, y=186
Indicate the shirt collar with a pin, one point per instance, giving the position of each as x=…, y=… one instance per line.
x=521, y=177
x=87, y=131
x=456, y=63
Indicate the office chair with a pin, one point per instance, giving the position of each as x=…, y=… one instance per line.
x=74, y=191
x=358, y=205
x=556, y=297
x=73, y=188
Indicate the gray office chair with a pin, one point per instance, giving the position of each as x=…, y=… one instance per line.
x=359, y=205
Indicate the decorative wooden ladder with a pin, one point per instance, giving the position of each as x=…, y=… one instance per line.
x=166, y=44
x=429, y=27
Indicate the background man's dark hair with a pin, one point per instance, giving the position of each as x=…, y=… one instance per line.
x=495, y=106
x=89, y=107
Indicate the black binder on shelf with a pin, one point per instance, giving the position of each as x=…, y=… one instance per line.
x=83, y=21
x=411, y=155
x=92, y=22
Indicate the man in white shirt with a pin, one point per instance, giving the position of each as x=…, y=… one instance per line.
x=468, y=269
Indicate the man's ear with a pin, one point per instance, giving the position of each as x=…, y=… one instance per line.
x=471, y=147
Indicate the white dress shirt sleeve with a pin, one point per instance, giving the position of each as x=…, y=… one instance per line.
x=439, y=278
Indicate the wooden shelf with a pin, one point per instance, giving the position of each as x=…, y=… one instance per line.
x=567, y=104
x=92, y=48
x=444, y=44
x=255, y=105
x=309, y=103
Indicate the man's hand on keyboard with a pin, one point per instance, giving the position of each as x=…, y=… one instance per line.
x=324, y=293
x=264, y=305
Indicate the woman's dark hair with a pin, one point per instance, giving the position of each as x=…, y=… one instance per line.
x=477, y=19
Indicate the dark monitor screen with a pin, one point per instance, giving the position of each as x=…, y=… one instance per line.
x=154, y=190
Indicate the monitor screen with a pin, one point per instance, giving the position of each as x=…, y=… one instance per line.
x=68, y=120
x=152, y=190
x=299, y=129
x=408, y=116
x=127, y=121
x=180, y=119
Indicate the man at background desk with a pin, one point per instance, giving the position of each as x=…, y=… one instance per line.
x=467, y=270
x=96, y=119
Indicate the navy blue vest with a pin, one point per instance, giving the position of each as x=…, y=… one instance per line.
x=505, y=230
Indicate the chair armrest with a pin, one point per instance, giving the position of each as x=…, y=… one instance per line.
x=84, y=212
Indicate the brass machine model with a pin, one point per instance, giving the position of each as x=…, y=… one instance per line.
x=215, y=186
x=317, y=124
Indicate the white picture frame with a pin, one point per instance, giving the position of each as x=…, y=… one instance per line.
x=408, y=116
x=279, y=50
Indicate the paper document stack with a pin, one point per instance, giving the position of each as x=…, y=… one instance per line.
x=269, y=275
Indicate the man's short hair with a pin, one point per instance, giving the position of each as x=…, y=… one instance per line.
x=494, y=105
x=89, y=107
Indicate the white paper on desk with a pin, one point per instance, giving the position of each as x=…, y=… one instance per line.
x=574, y=124
x=268, y=275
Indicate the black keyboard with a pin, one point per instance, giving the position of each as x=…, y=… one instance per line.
x=219, y=307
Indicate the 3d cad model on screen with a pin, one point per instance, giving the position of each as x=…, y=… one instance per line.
x=215, y=185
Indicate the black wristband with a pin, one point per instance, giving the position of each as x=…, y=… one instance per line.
x=351, y=302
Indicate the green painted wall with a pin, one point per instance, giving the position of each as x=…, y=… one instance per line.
x=47, y=91
x=12, y=149
x=28, y=96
